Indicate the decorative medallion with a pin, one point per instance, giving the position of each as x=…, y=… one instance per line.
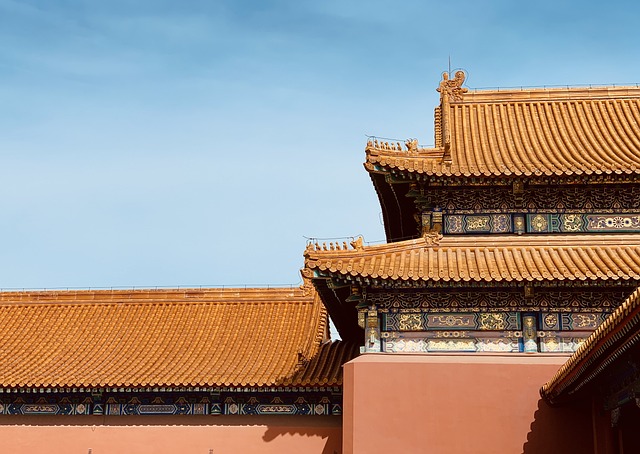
x=539, y=223
x=550, y=321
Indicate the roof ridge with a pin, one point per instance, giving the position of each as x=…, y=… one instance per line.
x=592, y=92
x=485, y=241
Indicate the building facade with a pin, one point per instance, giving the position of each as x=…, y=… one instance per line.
x=512, y=260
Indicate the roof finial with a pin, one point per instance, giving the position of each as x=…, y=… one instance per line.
x=451, y=90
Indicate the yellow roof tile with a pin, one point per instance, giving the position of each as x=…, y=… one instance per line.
x=487, y=258
x=178, y=337
x=526, y=132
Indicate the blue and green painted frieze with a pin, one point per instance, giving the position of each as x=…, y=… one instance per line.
x=458, y=224
x=323, y=401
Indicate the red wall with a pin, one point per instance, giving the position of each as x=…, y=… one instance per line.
x=457, y=403
x=170, y=434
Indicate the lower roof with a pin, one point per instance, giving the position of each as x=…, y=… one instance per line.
x=167, y=338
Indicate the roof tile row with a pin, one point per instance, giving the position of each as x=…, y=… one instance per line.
x=490, y=258
x=536, y=132
x=138, y=338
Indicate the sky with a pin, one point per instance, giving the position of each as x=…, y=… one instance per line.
x=186, y=143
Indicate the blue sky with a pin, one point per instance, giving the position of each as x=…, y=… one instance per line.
x=156, y=143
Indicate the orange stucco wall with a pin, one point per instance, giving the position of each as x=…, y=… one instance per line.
x=170, y=434
x=457, y=403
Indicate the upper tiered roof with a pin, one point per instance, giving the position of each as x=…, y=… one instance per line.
x=167, y=338
x=550, y=131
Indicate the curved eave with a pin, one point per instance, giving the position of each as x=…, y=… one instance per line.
x=607, y=343
x=489, y=259
x=397, y=209
x=342, y=313
x=415, y=165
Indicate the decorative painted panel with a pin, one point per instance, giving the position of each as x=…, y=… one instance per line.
x=423, y=321
x=577, y=321
x=439, y=301
x=578, y=198
x=488, y=223
x=235, y=403
x=156, y=409
x=44, y=409
x=542, y=223
x=545, y=300
x=560, y=344
x=582, y=222
x=277, y=406
x=424, y=345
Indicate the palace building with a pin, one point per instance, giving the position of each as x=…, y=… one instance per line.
x=501, y=315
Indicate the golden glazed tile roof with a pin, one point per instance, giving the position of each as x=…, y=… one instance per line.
x=486, y=258
x=524, y=132
x=325, y=368
x=186, y=337
x=618, y=333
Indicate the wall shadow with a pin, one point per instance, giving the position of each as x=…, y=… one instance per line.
x=561, y=429
x=329, y=429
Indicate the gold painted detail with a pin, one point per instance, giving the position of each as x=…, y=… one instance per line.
x=478, y=222
x=551, y=320
x=614, y=222
x=410, y=322
x=539, y=223
x=572, y=223
x=372, y=319
x=586, y=320
x=554, y=344
x=492, y=321
x=497, y=345
x=451, y=345
x=451, y=320
x=454, y=334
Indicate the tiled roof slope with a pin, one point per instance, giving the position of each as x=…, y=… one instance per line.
x=526, y=132
x=487, y=258
x=325, y=368
x=619, y=332
x=185, y=337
